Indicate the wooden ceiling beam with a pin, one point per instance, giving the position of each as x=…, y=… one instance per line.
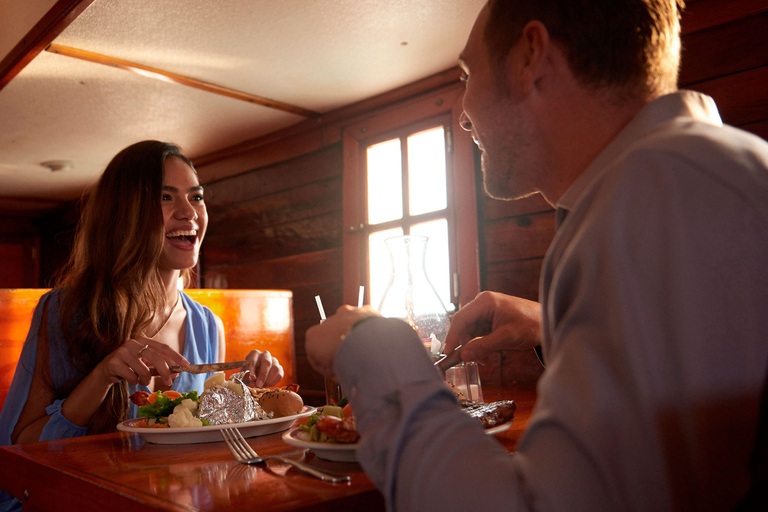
x=40, y=36
x=175, y=78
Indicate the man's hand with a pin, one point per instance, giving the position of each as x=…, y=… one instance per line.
x=323, y=340
x=493, y=322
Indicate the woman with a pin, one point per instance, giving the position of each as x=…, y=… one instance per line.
x=117, y=311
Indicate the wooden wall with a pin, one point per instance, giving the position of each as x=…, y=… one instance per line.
x=19, y=251
x=280, y=227
x=34, y=245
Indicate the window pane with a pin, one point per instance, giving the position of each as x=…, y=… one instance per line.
x=385, y=182
x=426, y=171
x=379, y=264
x=437, y=257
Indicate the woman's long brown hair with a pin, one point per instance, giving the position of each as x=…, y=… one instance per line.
x=111, y=285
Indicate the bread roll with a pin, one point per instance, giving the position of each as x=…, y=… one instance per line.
x=281, y=402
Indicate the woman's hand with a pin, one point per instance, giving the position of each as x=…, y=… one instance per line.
x=493, y=322
x=134, y=358
x=264, y=370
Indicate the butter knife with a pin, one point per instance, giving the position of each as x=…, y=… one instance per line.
x=204, y=368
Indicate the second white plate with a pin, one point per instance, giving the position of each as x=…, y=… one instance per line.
x=338, y=452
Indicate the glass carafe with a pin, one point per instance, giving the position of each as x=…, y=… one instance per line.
x=410, y=295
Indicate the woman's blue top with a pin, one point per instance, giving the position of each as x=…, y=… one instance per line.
x=201, y=346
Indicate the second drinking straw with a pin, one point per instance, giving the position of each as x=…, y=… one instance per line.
x=320, y=308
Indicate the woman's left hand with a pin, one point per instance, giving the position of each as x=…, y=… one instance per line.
x=265, y=370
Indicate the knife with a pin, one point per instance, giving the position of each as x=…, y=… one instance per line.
x=203, y=368
x=450, y=360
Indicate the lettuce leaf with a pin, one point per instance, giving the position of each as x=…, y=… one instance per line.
x=163, y=406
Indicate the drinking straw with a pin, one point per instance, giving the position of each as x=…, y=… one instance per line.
x=320, y=307
x=360, y=297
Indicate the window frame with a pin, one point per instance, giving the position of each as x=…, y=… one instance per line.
x=412, y=116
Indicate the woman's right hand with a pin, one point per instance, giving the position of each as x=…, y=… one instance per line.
x=133, y=360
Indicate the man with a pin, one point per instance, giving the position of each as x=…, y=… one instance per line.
x=654, y=292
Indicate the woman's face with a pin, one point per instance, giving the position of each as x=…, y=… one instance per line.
x=185, y=216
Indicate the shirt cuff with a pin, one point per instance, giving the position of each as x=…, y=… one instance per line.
x=379, y=357
x=59, y=427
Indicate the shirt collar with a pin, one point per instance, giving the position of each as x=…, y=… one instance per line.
x=661, y=110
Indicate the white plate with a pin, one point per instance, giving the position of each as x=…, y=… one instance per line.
x=212, y=433
x=499, y=428
x=339, y=452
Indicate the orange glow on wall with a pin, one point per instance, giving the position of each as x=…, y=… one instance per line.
x=253, y=319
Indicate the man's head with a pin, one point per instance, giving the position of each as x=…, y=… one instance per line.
x=631, y=45
x=623, y=50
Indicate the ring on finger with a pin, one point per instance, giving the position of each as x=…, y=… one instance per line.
x=145, y=347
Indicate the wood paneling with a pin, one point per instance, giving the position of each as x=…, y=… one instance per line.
x=281, y=227
x=518, y=238
x=725, y=55
x=741, y=97
x=19, y=252
x=519, y=278
x=267, y=242
x=314, y=268
x=710, y=53
x=12, y=263
x=760, y=128
x=704, y=14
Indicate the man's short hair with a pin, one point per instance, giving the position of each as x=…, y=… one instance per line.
x=632, y=46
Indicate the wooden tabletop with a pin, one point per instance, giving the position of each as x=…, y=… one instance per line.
x=121, y=471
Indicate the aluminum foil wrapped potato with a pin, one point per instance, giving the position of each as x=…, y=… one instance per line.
x=229, y=401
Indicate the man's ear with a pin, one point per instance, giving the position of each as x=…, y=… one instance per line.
x=527, y=60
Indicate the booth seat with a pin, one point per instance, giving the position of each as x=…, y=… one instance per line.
x=253, y=319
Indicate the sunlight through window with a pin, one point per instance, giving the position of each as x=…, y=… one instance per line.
x=422, y=186
x=385, y=189
x=426, y=172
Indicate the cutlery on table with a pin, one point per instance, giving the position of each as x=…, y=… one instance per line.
x=244, y=454
x=450, y=360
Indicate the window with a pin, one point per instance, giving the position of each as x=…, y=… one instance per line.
x=407, y=193
x=410, y=170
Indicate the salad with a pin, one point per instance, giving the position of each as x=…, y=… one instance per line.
x=164, y=409
x=332, y=424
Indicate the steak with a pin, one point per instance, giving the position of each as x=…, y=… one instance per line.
x=492, y=414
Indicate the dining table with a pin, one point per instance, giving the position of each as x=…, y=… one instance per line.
x=122, y=471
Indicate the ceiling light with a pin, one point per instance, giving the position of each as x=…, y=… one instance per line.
x=57, y=165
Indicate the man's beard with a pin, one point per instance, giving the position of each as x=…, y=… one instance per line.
x=496, y=183
x=499, y=178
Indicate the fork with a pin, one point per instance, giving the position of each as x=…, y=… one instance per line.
x=244, y=454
